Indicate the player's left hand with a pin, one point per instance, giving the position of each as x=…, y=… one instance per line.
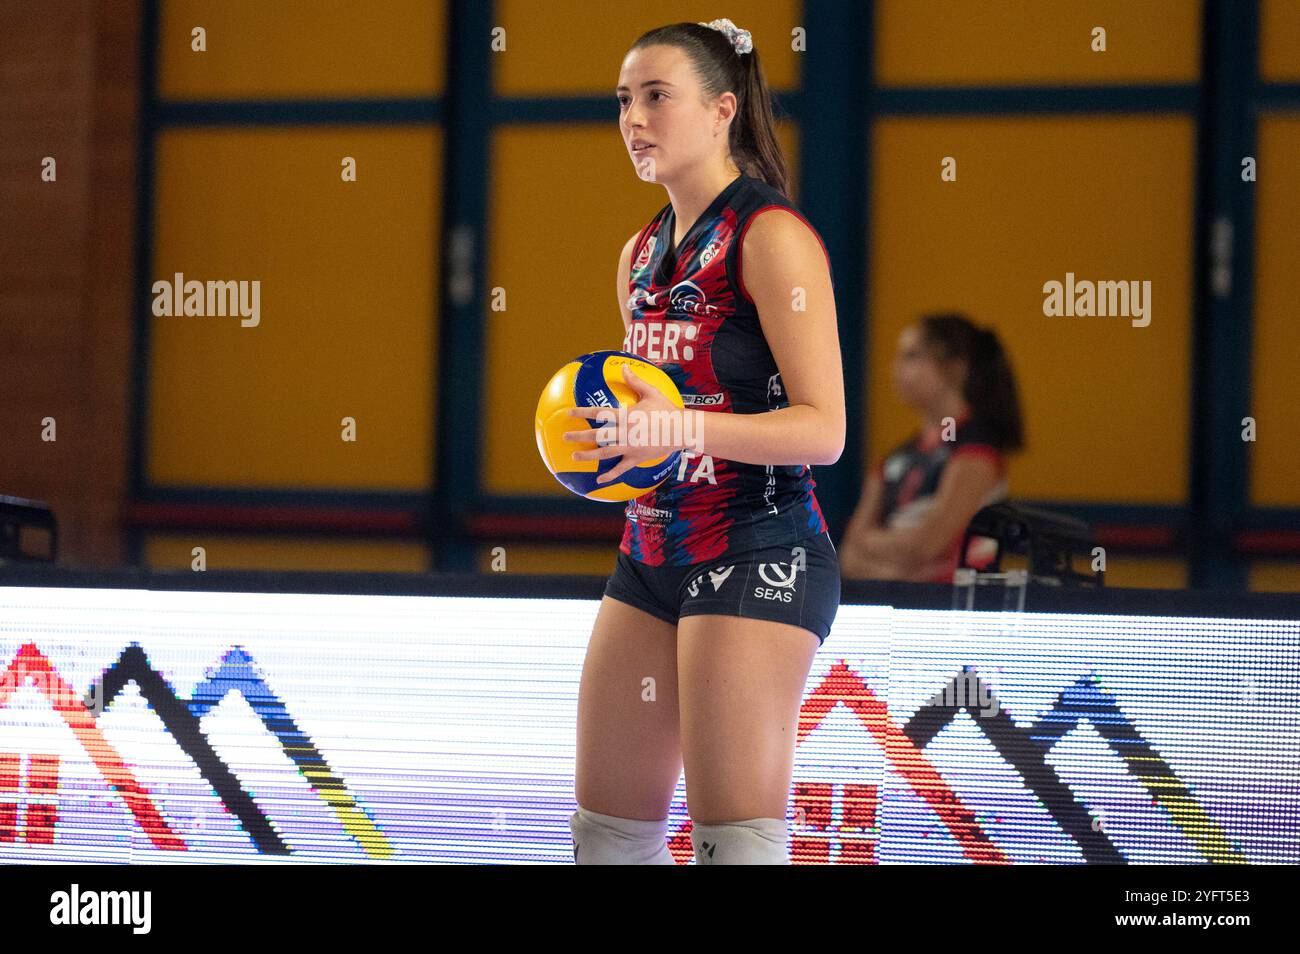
x=652, y=427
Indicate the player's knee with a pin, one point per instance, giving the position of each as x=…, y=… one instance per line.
x=757, y=841
x=608, y=840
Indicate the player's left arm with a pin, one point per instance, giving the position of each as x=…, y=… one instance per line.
x=786, y=274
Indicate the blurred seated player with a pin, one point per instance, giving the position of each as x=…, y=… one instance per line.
x=918, y=501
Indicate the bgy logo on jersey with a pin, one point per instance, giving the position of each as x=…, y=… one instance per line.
x=716, y=577
x=702, y=400
x=780, y=582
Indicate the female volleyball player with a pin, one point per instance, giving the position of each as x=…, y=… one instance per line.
x=916, y=503
x=726, y=581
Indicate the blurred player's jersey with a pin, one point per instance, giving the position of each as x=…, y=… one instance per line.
x=692, y=317
x=910, y=475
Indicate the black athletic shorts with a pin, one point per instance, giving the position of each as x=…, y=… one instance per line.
x=772, y=583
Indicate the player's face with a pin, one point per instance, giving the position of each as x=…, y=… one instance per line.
x=660, y=105
x=920, y=379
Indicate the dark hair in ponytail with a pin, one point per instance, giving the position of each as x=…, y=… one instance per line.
x=721, y=69
x=990, y=387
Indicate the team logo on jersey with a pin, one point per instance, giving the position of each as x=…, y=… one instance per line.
x=716, y=577
x=646, y=251
x=720, y=577
x=778, y=577
x=688, y=298
x=780, y=584
x=707, y=255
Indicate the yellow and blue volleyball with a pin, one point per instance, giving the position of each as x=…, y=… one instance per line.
x=596, y=380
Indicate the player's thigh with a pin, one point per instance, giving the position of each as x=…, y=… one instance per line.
x=740, y=686
x=629, y=751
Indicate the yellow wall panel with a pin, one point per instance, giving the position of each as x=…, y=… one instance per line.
x=1107, y=199
x=347, y=324
x=554, y=247
x=567, y=47
x=1150, y=573
x=1279, y=41
x=235, y=552
x=1275, y=454
x=296, y=48
x=1030, y=42
x=596, y=560
x=1270, y=576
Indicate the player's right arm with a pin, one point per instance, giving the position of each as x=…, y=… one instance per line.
x=624, y=276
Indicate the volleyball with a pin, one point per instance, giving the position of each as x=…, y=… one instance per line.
x=596, y=380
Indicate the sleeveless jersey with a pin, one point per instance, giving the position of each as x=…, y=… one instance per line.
x=910, y=476
x=692, y=317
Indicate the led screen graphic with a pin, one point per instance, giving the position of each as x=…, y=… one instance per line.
x=157, y=727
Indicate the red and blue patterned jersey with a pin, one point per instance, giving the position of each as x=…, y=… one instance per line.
x=692, y=317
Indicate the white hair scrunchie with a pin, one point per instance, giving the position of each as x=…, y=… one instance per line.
x=740, y=39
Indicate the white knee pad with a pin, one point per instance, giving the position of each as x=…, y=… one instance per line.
x=607, y=840
x=757, y=841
